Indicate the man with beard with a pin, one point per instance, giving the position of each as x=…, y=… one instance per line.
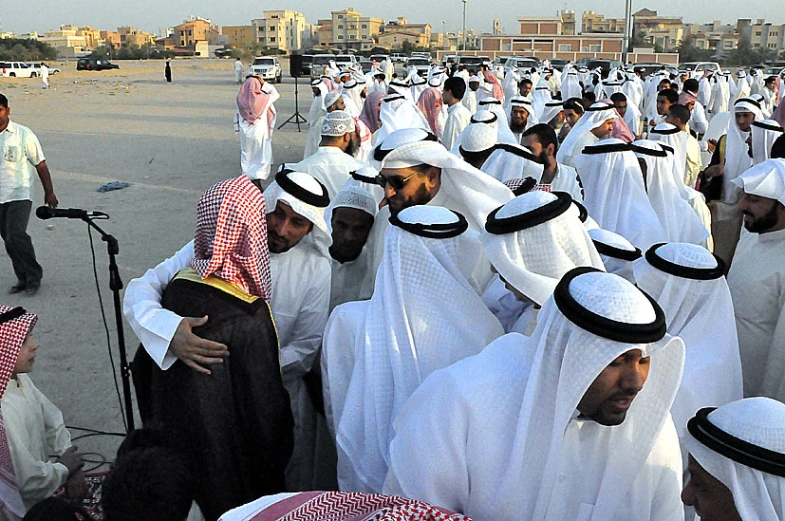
x=520, y=114
x=334, y=159
x=757, y=280
x=556, y=177
x=298, y=239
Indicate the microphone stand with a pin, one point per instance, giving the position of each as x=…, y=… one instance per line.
x=116, y=284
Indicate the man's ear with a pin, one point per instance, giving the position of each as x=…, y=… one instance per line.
x=434, y=174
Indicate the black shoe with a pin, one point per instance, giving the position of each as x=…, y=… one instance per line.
x=32, y=288
x=17, y=288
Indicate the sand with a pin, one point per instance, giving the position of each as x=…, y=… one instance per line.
x=170, y=141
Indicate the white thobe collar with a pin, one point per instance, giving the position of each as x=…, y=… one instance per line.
x=777, y=236
x=452, y=108
x=329, y=149
x=10, y=128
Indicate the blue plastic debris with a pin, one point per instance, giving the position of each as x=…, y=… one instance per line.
x=114, y=185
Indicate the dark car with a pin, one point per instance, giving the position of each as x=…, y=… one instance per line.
x=472, y=63
x=95, y=64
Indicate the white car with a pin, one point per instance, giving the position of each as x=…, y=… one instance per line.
x=268, y=67
x=17, y=70
x=37, y=67
x=344, y=61
x=399, y=57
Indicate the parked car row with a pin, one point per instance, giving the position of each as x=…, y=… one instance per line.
x=24, y=70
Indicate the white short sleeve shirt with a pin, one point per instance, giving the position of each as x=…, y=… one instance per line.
x=21, y=152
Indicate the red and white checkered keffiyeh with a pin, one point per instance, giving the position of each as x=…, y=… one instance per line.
x=12, y=336
x=353, y=506
x=231, y=236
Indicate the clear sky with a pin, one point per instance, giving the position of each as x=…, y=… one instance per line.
x=43, y=15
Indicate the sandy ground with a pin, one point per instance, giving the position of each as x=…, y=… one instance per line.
x=170, y=141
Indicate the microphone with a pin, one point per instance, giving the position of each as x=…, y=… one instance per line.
x=44, y=212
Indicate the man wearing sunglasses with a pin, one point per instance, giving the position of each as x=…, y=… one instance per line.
x=416, y=170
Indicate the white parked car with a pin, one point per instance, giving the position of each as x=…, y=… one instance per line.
x=399, y=57
x=268, y=67
x=17, y=70
x=37, y=67
x=345, y=60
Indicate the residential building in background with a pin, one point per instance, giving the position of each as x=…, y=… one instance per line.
x=592, y=22
x=283, y=29
x=665, y=32
x=348, y=29
x=239, y=35
x=396, y=32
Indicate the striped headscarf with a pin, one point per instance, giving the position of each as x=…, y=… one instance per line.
x=231, y=236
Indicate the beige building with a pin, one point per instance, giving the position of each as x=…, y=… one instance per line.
x=111, y=38
x=592, y=22
x=190, y=32
x=283, y=29
x=663, y=31
x=239, y=35
x=762, y=34
x=67, y=41
x=130, y=37
x=395, y=33
x=350, y=30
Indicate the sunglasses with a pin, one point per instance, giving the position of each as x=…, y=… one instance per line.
x=396, y=182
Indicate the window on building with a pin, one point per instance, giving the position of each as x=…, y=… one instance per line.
x=353, y=26
x=364, y=26
x=365, y=36
x=757, y=33
x=565, y=47
x=772, y=46
x=272, y=39
x=352, y=37
x=340, y=26
x=340, y=37
x=340, y=17
x=261, y=28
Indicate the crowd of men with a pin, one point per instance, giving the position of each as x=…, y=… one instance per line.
x=502, y=295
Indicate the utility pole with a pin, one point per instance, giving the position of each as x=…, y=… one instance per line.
x=627, y=31
x=464, y=25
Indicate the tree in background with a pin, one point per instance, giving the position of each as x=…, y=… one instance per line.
x=688, y=52
x=24, y=50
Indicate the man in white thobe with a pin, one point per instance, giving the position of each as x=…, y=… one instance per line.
x=350, y=218
x=458, y=116
x=316, y=114
x=238, y=70
x=757, y=280
x=570, y=423
x=688, y=282
x=556, y=177
x=662, y=178
x=735, y=463
x=403, y=334
x=255, y=122
x=299, y=262
x=615, y=194
x=764, y=134
x=470, y=100
x=417, y=171
x=45, y=76
x=595, y=124
x=334, y=159
x=531, y=242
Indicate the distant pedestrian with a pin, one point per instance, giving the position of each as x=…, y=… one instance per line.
x=45, y=75
x=238, y=70
x=22, y=155
x=168, y=72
